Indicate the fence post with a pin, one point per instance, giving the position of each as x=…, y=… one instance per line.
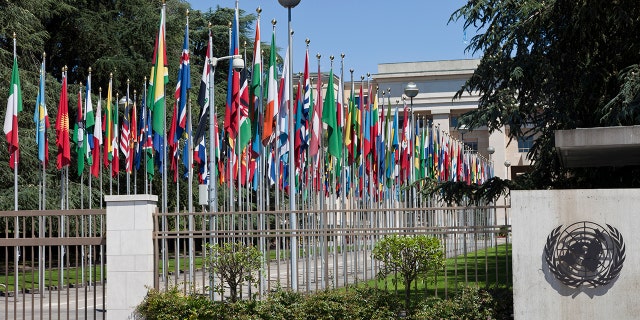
x=129, y=252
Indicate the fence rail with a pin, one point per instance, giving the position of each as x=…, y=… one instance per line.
x=334, y=246
x=54, y=264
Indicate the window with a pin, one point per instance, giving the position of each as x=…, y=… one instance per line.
x=471, y=146
x=525, y=144
x=453, y=121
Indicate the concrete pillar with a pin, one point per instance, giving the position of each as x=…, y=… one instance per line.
x=129, y=252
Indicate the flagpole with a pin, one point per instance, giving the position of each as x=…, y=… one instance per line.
x=135, y=145
x=101, y=163
x=165, y=209
x=41, y=222
x=144, y=139
x=127, y=165
x=111, y=138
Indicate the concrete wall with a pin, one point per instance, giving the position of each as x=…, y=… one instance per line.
x=538, y=294
x=129, y=252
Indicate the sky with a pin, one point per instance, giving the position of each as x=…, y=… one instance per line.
x=368, y=32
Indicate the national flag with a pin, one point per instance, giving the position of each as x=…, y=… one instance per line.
x=244, y=134
x=89, y=122
x=173, y=146
x=184, y=84
x=41, y=119
x=329, y=117
x=97, y=140
x=283, y=117
x=256, y=86
x=108, y=127
x=79, y=135
x=233, y=97
x=125, y=135
x=316, y=125
x=203, y=94
x=14, y=106
x=115, y=161
x=159, y=78
x=271, y=111
x=62, y=127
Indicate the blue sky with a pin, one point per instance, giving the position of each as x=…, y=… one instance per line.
x=367, y=32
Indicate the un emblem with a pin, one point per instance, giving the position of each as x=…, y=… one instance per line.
x=585, y=254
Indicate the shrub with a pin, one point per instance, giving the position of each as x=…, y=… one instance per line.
x=469, y=303
x=409, y=256
x=172, y=304
x=234, y=263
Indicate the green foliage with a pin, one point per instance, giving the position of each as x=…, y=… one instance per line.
x=549, y=65
x=108, y=37
x=409, y=256
x=172, y=304
x=459, y=192
x=469, y=303
x=234, y=263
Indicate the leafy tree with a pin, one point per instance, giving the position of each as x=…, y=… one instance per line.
x=555, y=65
x=110, y=37
x=235, y=264
x=410, y=256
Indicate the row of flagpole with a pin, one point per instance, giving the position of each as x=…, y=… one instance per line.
x=288, y=145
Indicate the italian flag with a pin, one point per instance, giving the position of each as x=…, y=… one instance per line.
x=14, y=105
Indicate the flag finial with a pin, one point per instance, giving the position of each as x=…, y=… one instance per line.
x=318, y=55
x=44, y=54
x=307, y=41
x=259, y=10
x=342, y=55
x=100, y=89
x=187, y=14
x=273, y=22
x=361, y=78
x=368, y=75
x=14, y=35
x=89, y=70
x=127, y=81
x=111, y=75
x=351, y=70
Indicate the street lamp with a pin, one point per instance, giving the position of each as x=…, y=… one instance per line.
x=507, y=164
x=237, y=64
x=289, y=4
x=491, y=150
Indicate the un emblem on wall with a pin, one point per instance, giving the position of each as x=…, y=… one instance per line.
x=585, y=254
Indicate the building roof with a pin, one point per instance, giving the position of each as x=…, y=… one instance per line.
x=599, y=147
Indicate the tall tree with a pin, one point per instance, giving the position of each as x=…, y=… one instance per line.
x=551, y=65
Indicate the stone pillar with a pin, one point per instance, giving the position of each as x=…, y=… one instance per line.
x=129, y=252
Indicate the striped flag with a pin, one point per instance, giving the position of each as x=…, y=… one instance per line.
x=159, y=78
x=272, y=94
x=125, y=135
x=14, y=106
x=184, y=84
x=203, y=94
x=97, y=140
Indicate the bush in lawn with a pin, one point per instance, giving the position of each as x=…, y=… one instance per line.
x=234, y=263
x=409, y=256
x=469, y=303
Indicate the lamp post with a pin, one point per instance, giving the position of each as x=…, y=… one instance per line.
x=491, y=150
x=507, y=164
x=289, y=4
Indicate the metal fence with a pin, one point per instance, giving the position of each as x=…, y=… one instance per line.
x=54, y=264
x=334, y=246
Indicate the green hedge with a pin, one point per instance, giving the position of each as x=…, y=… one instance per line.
x=353, y=303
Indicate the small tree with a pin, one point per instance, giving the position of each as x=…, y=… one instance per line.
x=234, y=263
x=410, y=256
